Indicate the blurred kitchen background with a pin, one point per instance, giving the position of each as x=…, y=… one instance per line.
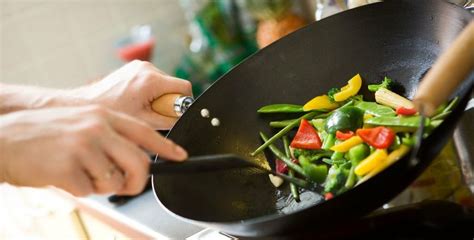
x=68, y=43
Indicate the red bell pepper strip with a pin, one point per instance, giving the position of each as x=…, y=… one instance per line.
x=281, y=166
x=344, y=135
x=379, y=137
x=406, y=111
x=307, y=137
x=328, y=196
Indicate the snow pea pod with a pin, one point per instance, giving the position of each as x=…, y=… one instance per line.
x=409, y=122
x=281, y=108
x=375, y=109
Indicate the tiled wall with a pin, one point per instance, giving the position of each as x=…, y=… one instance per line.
x=66, y=43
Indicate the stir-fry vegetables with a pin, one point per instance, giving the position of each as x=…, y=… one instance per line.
x=341, y=140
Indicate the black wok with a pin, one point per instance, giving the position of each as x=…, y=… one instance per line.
x=399, y=39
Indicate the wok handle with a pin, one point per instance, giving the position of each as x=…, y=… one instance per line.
x=172, y=104
x=452, y=68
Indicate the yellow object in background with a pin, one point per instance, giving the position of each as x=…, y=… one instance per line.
x=371, y=162
x=351, y=89
x=442, y=180
x=320, y=103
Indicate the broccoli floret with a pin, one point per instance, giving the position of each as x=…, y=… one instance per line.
x=386, y=83
x=336, y=178
x=311, y=155
x=331, y=93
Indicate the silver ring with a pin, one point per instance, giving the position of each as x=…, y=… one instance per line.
x=108, y=175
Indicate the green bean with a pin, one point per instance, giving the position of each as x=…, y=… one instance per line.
x=283, y=132
x=281, y=124
x=284, y=123
x=281, y=108
x=351, y=178
x=451, y=105
x=440, y=116
x=286, y=145
x=280, y=155
x=293, y=187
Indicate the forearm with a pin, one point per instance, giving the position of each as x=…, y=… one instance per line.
x=17, y=97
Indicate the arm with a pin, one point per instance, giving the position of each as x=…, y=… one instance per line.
x=17, y=97
x=130, y=89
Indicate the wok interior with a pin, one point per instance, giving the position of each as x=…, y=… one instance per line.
x=374, y=43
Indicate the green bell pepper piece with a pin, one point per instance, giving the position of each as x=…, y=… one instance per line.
x=358, y=153
x=345, y=118
x=316, y=173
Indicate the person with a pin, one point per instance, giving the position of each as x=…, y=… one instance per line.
x=91, y=139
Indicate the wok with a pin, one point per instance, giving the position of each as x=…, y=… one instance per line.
x=400, y=39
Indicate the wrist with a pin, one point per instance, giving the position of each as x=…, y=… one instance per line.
x=15, y=98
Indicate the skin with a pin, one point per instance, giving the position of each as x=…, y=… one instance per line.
x=92, y=139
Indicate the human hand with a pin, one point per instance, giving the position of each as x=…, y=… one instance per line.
x=132, y=89
x=82, y=150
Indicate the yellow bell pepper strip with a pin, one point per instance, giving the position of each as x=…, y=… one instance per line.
x=347, y=145
x=371, y=162
x=351, y=89
x=320, y=103
x=392, y=158
x=367, y=116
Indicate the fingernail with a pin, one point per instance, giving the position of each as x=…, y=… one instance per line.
x=180, y=152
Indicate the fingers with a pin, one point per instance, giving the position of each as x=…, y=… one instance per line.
x=133, y=161
x=78, y=184
x=157, y=121
x=143, y=135
x=106, y=176
x=176, y=85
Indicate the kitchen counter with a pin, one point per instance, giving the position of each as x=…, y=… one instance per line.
x=148, y=215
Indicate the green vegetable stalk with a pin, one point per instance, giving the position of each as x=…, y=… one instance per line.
x=282, y=156
x=293, y=188
x=329, y=141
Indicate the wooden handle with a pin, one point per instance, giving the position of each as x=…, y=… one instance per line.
x=164, y=105
x=454, y=65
